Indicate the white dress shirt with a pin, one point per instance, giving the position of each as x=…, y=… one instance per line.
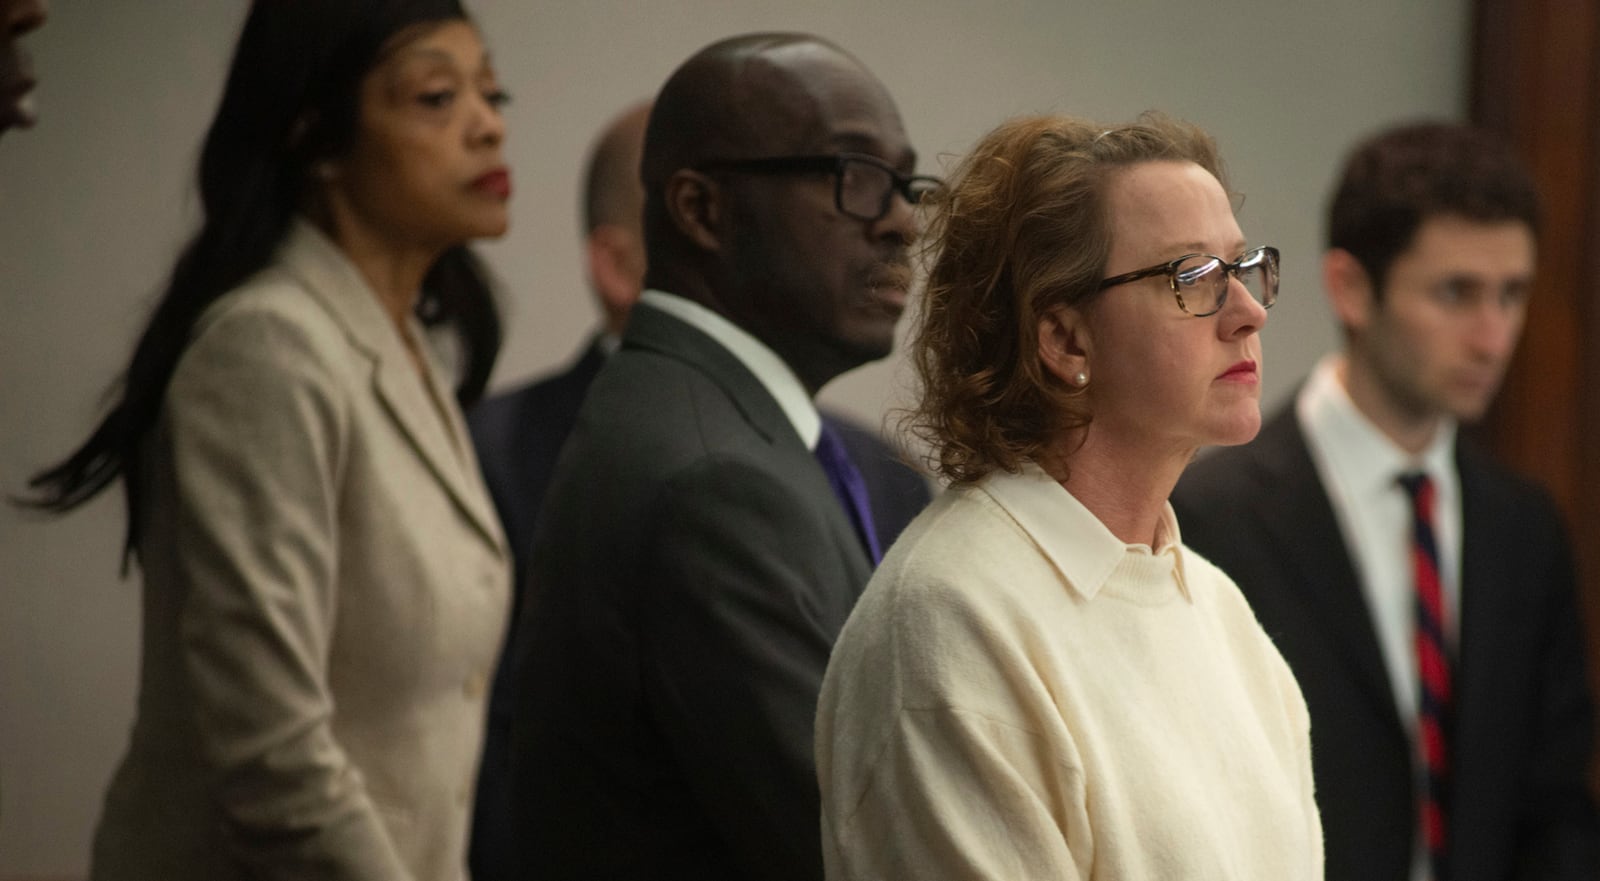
x=1358, y=465
x=769, y=369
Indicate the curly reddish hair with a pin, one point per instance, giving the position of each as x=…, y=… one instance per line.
x=1021, y=229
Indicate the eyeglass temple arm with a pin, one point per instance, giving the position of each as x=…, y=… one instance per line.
x=1134, y=276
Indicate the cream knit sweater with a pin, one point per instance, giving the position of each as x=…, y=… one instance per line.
x=1020, y=695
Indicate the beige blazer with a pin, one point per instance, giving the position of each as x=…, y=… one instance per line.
x=325, y=592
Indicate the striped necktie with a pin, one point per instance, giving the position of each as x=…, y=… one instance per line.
x=1433, y=669
x=850, y=487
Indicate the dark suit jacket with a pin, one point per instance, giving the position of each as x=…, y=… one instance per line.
x=693, y=568
x=1522, y=733
x=518, y=436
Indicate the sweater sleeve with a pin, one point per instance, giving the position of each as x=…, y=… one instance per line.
x=940, y=752
x=957, y=796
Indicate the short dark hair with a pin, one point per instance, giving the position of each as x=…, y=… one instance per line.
x=1395, y=181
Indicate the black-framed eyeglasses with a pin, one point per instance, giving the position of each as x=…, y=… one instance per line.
x=1200, y=281
x=862, y=184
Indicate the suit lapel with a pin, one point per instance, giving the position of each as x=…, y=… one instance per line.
x=653, y=329
x=324, y=271
x=1306, y=533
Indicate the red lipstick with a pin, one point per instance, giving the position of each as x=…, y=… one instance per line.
x=495, y=183
x=1243, y=371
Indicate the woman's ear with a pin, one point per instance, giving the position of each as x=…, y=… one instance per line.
x=1065, y=345
x=693, y=202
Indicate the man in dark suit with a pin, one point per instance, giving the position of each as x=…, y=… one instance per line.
x=519, y=434
x=695, y=559
x=1422, y=594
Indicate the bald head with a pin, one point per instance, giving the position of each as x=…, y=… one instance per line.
x=612, y=192
x=745, y=96
x=755, y=94
x=613, y=203
x=769, y=245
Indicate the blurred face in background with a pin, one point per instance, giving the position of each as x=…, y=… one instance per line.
x=17, y=18
x=1436, y=340
x=426, y=168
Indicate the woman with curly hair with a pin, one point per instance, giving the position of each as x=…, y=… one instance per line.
x=1041, y=681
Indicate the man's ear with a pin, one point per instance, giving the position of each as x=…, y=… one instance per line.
x=694, y=202
x=1065, y=345
x=1349, y=288
x=616, y=270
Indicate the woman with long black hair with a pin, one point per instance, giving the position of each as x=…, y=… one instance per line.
x=325, y=583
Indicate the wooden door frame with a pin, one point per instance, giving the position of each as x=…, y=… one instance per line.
x=1536, y=80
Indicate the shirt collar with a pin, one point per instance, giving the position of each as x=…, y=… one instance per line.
x=1364, y=457
x=769, y=369
x=1080, y=547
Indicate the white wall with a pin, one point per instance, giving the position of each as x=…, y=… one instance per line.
x=95, y=202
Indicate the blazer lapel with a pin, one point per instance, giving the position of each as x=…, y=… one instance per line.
x=1306, y=533
x=429, y=427
x=339, y=286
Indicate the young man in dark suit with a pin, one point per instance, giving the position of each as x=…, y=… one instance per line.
x=519, y=434
x=704, y=536
x=1423, y=595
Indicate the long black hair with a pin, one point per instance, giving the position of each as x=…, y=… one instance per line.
x=292, y=98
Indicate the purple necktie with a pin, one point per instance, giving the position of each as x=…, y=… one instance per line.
x=849, y=487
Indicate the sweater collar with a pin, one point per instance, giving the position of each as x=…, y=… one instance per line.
x=1078, y=545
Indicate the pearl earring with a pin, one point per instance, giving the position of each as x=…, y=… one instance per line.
x=1080, y=379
